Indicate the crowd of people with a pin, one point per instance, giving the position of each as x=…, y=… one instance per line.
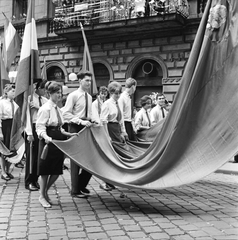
x=47, y=119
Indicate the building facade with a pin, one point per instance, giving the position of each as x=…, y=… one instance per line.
x=149, y=42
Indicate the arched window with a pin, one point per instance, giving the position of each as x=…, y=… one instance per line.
x=148, y=74
x=55, y=73
x=102, y=74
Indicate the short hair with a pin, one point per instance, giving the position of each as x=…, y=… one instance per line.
x=103, y=89
x=130, y=82
x=81, y=75
x=52, y=87
x=144, y=100
x=41, y=84
x=159, y=95
x=114, y=86
x=7, y=88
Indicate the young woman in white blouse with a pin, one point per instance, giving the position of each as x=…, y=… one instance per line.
x=142, y=117
x=7, y=109
x=48, y=127
x=112, y=116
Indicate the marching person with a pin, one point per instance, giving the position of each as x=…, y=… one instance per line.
x=32, y=141
x=127, y=108
x=48, y=127
x=112, y=117
x=161, y=110
x=8, y=108
x=78, y=113
x=97, y=104
x=142, y=117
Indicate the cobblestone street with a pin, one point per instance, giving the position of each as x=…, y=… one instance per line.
x=205, y=210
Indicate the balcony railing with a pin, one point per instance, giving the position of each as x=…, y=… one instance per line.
x=101, y=11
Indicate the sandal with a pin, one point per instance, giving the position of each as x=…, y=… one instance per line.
x=48, y=200
x=5, y=177
x=44, y=203
x=10, y=175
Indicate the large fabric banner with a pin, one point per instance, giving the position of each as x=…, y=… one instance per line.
x=200, y=133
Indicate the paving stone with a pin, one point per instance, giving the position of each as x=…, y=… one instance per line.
x=205, y=210
x=152, y=229
x=93, y=229
x=97, y=236
x=37, y=236
x=115, y=233
x=160, y=236
x=133, y=235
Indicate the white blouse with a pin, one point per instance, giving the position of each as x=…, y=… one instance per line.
x=109, y=113
x=96, y=106
x=47, y=116
x=141, y=119
x=6, y=109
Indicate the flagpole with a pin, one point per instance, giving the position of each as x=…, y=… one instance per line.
x=1, y=68
x=87, y=62
x=4, y=14
x=32, y=91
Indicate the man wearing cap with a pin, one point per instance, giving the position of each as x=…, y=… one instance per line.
x=127, y=108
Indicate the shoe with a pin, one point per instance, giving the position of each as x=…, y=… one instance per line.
x=111, y=186
x=37, y=185
x=44, y=203
x=48, y=200
x=31, y=187
x=78, y=195
x=65, y=168
x=19, y=165
x=85, y=191
x=10, y=175
x=5, y=177
x=105, y=187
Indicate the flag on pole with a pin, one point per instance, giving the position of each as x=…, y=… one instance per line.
x=28, y=72
x=4, y=79
x=44, y=73
x=12, y=42
x=87, y=63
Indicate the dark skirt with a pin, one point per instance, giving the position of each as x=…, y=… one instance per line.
x=6, y=131
x=53, y=163
x=114, y=130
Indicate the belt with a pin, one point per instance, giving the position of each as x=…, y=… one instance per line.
x=54, y=128
x=113, y=122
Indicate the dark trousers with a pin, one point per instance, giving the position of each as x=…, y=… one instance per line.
x=130, y=131
x=80, y=180
x=31, y=174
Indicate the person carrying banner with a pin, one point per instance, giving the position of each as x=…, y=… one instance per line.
x=142, y=117
x=49, y=127
x=8, y=108
x=160, y=111
x=127, y=108
x=112, y=117
x=32, y=141
x=78, y=113
x=97, y=104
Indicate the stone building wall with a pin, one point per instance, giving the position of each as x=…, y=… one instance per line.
x=172, y=51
